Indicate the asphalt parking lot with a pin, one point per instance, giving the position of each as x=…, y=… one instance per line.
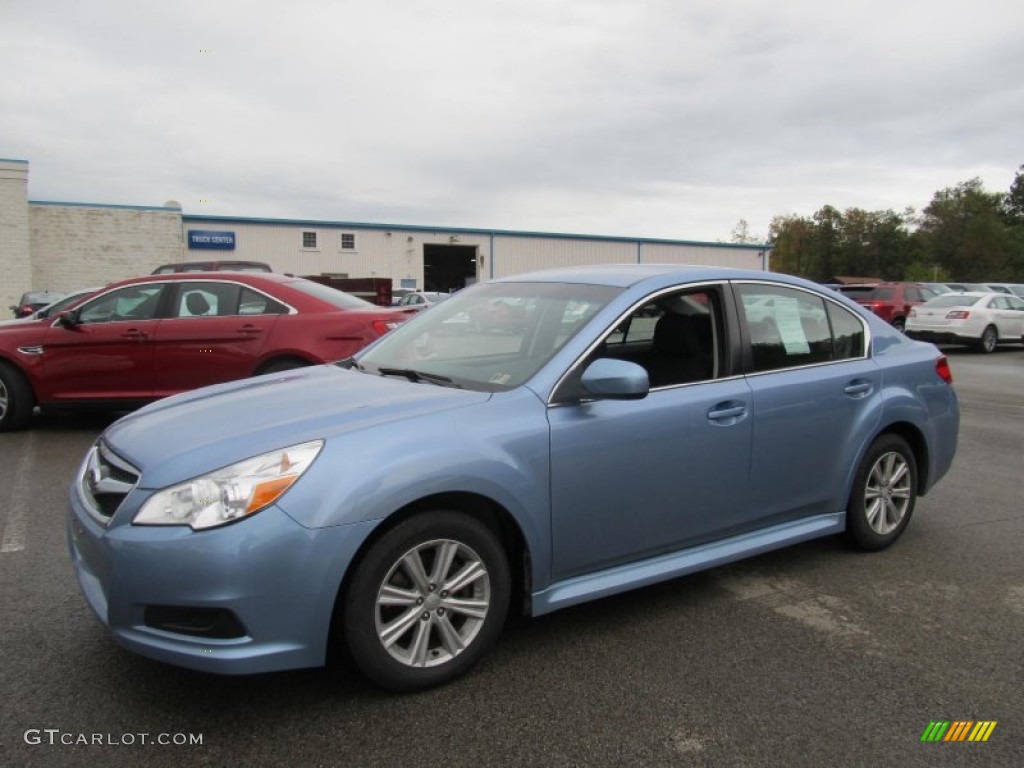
x=814, y=655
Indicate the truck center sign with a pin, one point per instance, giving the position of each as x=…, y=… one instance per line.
x=203, y=239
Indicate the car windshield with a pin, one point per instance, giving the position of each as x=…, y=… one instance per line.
x=67, y=301
x=491, y=337
x=333, y=296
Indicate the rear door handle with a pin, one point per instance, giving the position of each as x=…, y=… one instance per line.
x=250, y=330
x=858, y=388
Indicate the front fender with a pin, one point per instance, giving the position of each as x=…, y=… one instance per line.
x=498, y=449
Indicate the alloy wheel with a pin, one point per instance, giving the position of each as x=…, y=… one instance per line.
x=432, y=603
x=887, y=493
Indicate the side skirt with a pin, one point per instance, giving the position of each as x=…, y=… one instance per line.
x=622, y=578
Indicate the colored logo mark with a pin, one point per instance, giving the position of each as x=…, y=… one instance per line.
x=958, y=730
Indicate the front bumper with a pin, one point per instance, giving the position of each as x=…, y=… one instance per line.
x=278, y=579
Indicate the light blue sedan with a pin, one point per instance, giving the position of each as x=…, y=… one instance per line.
x=640, y=423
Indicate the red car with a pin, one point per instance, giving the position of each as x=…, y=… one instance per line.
x=150, y=337
x=890, y=301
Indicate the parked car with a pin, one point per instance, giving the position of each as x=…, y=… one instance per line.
x=938, y=288
x=50, y=310
x=416, y=300
x=972, y=287
x=637, y=427
x=30, y=301
x=147, y=338
x=1014, y=289
x=890, y=301
x=981, y=320
x=217, y=265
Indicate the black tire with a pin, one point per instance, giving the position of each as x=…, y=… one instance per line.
x=422, y=650
x=284, y=364
x=989, y=340
x=16, y=399
x=884, y=494
x=900, y=324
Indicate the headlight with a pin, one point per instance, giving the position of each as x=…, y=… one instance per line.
x=230, y=493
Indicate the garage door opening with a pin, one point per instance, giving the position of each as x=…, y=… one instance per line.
x=447, y=268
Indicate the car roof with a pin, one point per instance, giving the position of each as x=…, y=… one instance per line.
x=973, y=295
x=627, y=275
x=221, y=275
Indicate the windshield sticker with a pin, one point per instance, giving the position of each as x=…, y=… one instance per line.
x=500, y=378
x=787, y=318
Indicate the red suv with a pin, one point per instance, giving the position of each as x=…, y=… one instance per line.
x=890, y=301
x=150, y=337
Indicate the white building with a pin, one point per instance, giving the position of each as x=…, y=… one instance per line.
x=65, y=246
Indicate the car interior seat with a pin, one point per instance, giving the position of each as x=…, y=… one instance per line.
x=197, y=304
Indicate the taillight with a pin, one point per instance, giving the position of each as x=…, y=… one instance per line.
x=942, y=368
x=385, y=326
x=958, y=314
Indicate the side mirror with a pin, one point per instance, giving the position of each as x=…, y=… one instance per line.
x=68, y=318
x=612, y=379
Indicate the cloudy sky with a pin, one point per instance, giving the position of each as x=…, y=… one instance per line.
x=653, y=118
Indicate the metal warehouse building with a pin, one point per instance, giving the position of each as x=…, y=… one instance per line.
x=65, y=246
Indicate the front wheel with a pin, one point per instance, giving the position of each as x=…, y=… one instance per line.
x=884, y=493
x=426, y=601
x=16, y=400
x=989, y=340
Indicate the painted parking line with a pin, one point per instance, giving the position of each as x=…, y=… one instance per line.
x=20, y=499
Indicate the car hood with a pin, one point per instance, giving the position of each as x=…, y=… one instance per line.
x=199, y=431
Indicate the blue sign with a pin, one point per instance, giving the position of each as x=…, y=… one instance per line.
x=203, y=239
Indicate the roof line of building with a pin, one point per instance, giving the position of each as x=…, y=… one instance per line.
x=462, y=231
x=13, y=160
x=106, y=206
x=405, y=227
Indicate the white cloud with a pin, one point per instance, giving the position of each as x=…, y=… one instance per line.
x=656, y=118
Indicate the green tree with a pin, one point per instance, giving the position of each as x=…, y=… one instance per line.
x=1013, y=204
x=792, y=245
x=963, y=230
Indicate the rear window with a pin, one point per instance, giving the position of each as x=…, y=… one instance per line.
x=857, y=291
x=953, y=300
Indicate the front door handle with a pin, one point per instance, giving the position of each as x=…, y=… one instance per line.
x=727, y=413
x=134, y=334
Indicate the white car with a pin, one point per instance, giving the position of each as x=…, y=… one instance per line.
x=421, y=299
x=982, y=320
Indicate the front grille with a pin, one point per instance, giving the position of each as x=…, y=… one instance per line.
x=106, y=480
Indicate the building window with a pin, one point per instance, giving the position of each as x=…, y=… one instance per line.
x=309, y=239
x=348, y=241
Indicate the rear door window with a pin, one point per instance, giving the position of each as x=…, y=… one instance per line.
x=788, y=328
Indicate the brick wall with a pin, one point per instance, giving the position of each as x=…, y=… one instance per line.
x=78, y=246
x=15, y=256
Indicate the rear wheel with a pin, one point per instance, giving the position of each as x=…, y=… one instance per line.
x=900, y=324
x=426, y=601
x=989, y=340
x=884, y=494
x=16, y=399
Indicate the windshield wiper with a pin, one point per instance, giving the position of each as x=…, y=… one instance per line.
x=417, y=376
